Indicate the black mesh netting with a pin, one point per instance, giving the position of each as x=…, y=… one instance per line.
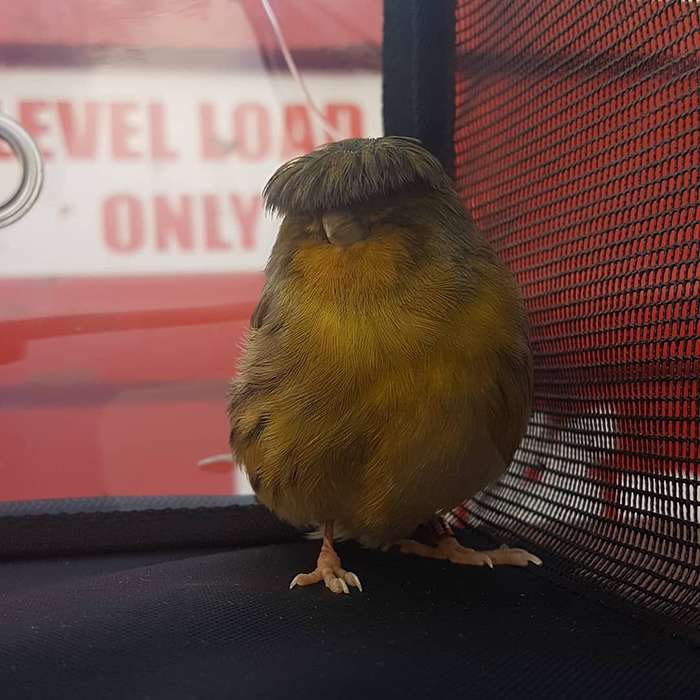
x=577, y=139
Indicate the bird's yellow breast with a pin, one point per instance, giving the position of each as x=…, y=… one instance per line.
x=371, y=304
x=368, y=305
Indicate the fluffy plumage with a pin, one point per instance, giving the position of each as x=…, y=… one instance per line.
x=387, y=374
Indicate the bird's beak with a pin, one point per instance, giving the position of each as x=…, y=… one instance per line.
x=342, y=229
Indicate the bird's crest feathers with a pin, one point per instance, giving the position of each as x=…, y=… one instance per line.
x=340, y=175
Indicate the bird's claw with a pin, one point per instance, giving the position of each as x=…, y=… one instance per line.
x=517, y=557
x=465, y=555
x=353, y=580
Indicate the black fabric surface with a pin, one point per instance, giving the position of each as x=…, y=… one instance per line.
x=110, y=504
x=222, y=623
x=83, y=526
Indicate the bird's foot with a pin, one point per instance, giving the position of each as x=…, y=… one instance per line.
x=329, y=571
x=450, y=549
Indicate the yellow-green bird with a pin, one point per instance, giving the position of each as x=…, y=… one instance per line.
x=387, y=376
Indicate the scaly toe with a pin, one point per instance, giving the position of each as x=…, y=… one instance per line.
x=471, y=558
x=453, y=551
x=305, y=579
x=337, y=585
x=514, y=557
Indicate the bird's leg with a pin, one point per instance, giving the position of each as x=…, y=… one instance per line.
x=328, y=568
x=444, y=545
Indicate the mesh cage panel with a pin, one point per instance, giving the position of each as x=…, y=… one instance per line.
x=577, y=142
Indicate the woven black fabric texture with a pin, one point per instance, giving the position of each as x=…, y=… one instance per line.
x=86, y=526
x=577, y=150
x=108, y=504
x=222, y=624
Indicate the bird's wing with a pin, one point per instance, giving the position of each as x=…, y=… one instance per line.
x=262, y=307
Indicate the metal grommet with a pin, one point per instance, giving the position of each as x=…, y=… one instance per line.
x=32, y=171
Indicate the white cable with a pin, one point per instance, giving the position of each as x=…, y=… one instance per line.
x=330, y=130
x=215, y=459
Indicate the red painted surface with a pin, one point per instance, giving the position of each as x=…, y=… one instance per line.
x=311, y=24
x=117, y=386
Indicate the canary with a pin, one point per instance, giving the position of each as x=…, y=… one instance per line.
x=387, y=374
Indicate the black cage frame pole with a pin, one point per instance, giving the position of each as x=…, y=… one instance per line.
x=418, y=56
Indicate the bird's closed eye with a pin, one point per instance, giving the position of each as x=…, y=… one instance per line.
x=342, y=228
